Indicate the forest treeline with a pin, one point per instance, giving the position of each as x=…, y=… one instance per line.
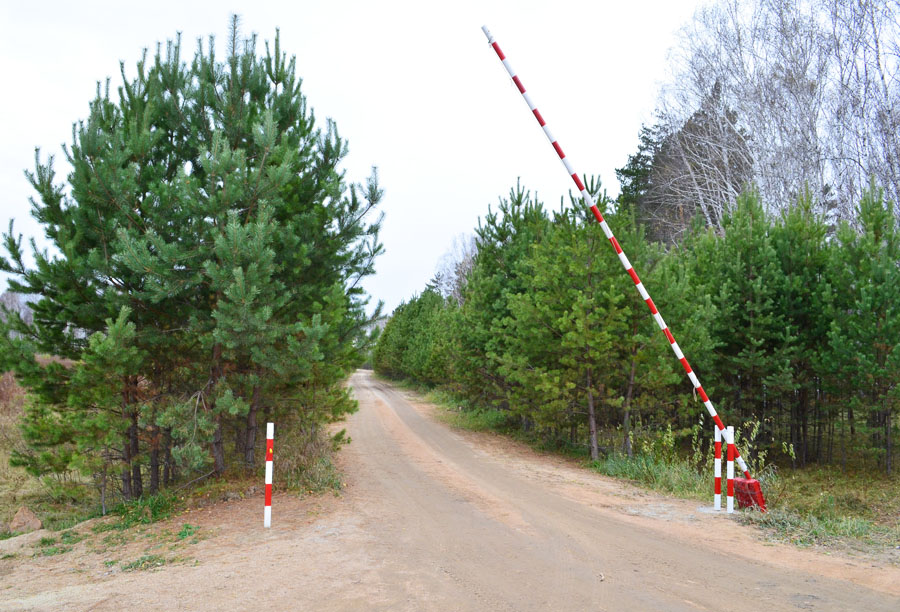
x=750, y=212
x=205, y=278
x=787, y=321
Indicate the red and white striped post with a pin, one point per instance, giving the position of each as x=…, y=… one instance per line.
x=589, y=201
x=270, y=452
x=717, y=471
x=729, y=469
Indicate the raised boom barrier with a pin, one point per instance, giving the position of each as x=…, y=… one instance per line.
x=589, y=200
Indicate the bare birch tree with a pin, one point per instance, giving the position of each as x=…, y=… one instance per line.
x=699, y=168
x=814, y=87
x=454, y=267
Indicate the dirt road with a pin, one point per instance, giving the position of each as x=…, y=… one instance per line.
x=434, y=519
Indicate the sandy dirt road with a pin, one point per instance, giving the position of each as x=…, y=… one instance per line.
x=436, y=519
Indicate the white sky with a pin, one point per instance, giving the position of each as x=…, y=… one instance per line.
x=413, y=86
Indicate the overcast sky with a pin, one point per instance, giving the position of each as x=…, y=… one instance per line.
x=413, y=86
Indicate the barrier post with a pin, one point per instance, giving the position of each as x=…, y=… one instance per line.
x=729, y=469
x=270, y=451
x=717, y=466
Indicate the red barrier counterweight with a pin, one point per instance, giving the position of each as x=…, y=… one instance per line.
x=629, y=269
x=748, y=494
x=270, y=455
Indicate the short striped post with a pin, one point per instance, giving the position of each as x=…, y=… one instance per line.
x=717, y=467
x=729, y=470
x=589, y=201
x=270, y=452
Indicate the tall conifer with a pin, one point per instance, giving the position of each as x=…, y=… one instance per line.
x=207, y=205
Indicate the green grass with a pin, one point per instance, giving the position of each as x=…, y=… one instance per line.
x=787, y=525
x=145, y=510
x=144, y=563
x=105, y=526
x=70, y=537
x=828, y=493
x=48, y=546
x=497, y=421
x=187, y=531
x=675, y=477
x=114, y=539
x=826, y=507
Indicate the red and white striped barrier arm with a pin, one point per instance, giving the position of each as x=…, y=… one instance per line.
x=589, y=200
x=717, y=471
x=270, y=452
x=729, y=470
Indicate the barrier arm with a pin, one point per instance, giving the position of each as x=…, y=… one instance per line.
x=629, y=269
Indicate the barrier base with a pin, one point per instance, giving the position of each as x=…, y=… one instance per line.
x=748, y=493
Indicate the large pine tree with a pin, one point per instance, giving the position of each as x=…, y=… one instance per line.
x=207, y=221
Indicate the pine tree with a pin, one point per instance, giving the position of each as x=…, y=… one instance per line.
x=649, y=374
x=564, y=328
x=863, y=351
x=503, y=238
x=740, y=270
x=208, y=203
x=799, y=242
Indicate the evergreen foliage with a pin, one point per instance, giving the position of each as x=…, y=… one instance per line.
x=207, y=277
x=788, y=323
x=563, y=330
